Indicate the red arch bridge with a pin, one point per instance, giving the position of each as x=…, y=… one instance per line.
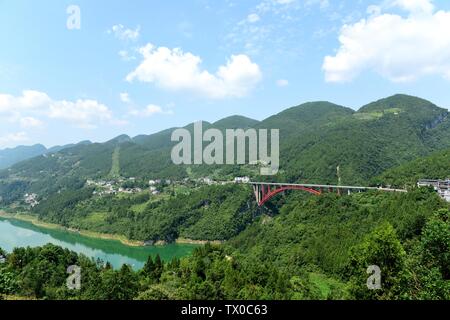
x=264, y=191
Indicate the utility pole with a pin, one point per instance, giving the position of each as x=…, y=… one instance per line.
x=338, y=173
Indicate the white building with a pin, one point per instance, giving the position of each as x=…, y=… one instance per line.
x=207, y=180
x=31, y=199
x=242, y=180
x=442, y=187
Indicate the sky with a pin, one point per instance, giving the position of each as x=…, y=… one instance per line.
x=92, y=70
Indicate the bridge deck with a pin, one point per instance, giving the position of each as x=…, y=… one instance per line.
x=325, y=186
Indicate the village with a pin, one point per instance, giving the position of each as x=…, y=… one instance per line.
x=154, y=186
x=106, y=187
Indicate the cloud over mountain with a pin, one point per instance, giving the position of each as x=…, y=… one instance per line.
x=175, y=70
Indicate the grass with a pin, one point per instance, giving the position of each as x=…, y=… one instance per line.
x=368, y=115
x=324, y=284
x=139, y=208
x=115, y=168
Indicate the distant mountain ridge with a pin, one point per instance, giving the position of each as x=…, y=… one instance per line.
x=11, y=156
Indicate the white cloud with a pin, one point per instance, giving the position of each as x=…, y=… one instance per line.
x=398, y=48
x=125, y=34
x=30, y=122
x=253, y=17
x=125, y=55
x=415, y=6
x=149, y=111
x=282, y=82
x=323, y=4
x=81, y=113
x=11, y=139
x=29, y=99
x=125, y=97
x=284, y=1
x=176, y=70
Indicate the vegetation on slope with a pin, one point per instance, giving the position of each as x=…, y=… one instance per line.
x=208, y=213
x=413, y=268
x=436, y=166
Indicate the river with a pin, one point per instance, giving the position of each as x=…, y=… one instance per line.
x=16, y=233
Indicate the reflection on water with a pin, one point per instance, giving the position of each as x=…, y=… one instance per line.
x=16, y=233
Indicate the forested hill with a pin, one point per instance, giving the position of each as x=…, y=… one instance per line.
x=435, y=166
x=297, y=246
x=11, y=156
x=315, y=138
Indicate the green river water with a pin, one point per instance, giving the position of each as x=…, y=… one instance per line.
x=16, y=233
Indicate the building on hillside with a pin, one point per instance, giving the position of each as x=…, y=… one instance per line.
x=31, y=199
x=206, y=180
x=442, y=187
x=242, y=180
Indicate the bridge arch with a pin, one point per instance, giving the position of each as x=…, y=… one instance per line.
x=264, y=193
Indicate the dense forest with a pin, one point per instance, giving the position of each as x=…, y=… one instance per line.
x=207, y=213
x=413, y=255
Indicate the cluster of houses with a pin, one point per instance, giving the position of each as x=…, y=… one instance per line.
x=31, y=199
x=442, y=187
x=111, y=187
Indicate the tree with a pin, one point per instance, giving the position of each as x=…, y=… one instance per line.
x=381, y=248
x=149, y=267
x=429, y=260
x=159, y=268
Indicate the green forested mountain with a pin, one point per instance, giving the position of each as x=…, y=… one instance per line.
x=208, y=213
x=296, y=247
x=11, y=156
x=435, y=166
x=315, y=138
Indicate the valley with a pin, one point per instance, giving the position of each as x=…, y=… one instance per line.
x=294, y=245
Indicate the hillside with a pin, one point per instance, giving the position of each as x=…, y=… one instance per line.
x=297, y=246
x=435, y=166
x=10, y=156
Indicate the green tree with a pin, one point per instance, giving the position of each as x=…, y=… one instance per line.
x=383, y=249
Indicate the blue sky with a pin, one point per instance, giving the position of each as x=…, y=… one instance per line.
x=138, y=67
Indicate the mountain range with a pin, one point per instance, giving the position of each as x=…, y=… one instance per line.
x=315, y=139
x=11, y=156
x=319, y=246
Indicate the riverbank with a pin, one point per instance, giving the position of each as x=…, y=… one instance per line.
x=97, y=235
x=199, y=242
x=91, y=234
